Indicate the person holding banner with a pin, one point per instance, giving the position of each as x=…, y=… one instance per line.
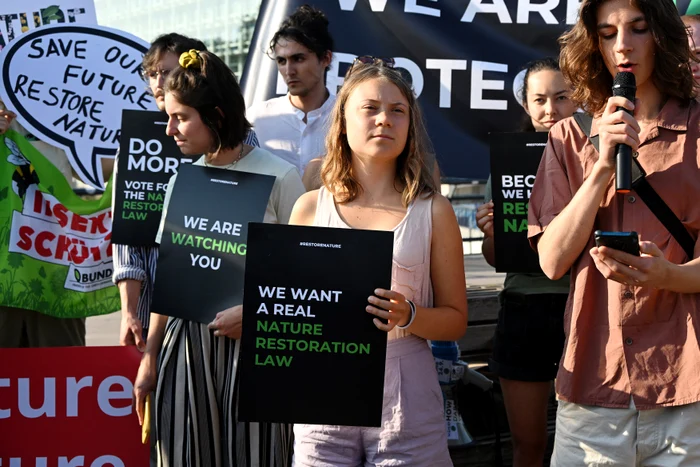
x=207, y=116
x=629, y=382
x=376, y=176
x=21, y=327
x=293, y=127
x=135, y=267
x=529, y=336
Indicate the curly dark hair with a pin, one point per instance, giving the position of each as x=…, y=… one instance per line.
x=583, y=65
x=211, y=88
x=307, y=26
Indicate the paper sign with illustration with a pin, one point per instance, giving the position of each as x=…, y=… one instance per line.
x=95, y=73
x=55, y=247
x=20, y=16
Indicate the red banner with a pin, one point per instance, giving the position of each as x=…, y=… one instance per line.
x=69, y=407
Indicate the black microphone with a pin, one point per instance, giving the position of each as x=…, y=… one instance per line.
x=624, y=85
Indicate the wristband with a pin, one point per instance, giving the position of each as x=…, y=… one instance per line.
x=413, y=315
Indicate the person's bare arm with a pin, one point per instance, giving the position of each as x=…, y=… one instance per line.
x=484, y=220
x=568, y=233
x=312, y=174
x=447, y=319
x=147, y=375
x=304, y=210
x=131, y=332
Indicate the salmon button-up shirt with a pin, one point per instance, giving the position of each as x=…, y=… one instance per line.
x=624, y=341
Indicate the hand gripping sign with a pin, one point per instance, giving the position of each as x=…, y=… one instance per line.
x=69, y=85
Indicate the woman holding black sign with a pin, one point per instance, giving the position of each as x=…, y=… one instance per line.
x=530, y=333
x=192, y=366
x=376, y=176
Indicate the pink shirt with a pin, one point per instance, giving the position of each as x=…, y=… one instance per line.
x=410, y=272
x=626, y=341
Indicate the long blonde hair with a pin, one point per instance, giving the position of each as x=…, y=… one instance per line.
x=413, y=174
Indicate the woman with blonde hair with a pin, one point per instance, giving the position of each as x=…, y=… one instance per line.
x=375, y=176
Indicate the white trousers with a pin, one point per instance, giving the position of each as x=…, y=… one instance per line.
x=600, y=436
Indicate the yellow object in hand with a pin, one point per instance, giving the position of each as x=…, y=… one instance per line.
x=146, y=428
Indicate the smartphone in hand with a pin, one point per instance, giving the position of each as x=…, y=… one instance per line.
x=623, y=241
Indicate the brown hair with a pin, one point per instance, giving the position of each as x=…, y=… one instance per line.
x=583, y=66
x=211, y=88
x=413, y=175
x=169, y=43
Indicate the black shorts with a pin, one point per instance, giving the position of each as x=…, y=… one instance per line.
x=529, y=337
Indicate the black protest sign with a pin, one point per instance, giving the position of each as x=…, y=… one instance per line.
x=203, y=245
x=148, y=158
x=310, y=353
x=515, y=158
x=463, y=58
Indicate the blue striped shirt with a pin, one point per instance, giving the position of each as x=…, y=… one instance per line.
x=139, y=263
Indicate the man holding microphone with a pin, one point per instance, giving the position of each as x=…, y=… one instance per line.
x=629, y=381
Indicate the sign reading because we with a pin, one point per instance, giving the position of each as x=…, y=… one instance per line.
x=305, y=325
x=515, y=158
x=68, y=85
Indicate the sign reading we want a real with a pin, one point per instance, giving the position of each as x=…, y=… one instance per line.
x=305, y=320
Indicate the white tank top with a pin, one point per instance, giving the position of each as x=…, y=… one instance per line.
x=410, y=272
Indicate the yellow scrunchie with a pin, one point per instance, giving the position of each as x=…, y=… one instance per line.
x=191, y=58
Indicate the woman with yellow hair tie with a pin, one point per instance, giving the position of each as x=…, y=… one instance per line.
x=191, y=366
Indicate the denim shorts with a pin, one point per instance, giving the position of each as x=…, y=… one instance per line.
x=529, y=337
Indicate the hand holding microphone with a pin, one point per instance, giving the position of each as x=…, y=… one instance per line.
x=619, y=132
x=625, y=86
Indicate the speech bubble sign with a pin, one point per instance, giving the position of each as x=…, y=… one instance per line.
x=68, y=86
x=20, y=16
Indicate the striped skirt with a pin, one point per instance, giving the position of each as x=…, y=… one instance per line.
x=195, y=406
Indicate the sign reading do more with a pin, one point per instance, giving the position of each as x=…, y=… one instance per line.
x=148, y=158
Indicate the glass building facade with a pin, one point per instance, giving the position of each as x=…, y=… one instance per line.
x=225, y=26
